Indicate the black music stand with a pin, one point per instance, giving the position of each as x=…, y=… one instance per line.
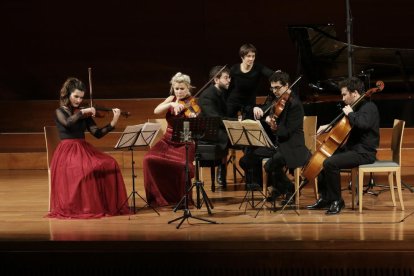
x=252, y=134
x=137, y=136
x=205, y=128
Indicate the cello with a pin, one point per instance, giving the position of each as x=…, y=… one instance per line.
x=332, y=138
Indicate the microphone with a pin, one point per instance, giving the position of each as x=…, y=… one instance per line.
x=186, y=131
x=315, y=86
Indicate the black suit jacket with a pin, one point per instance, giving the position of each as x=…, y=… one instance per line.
x=289, y=134
x=213, y=104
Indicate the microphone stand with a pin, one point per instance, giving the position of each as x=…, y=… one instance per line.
x=349, y=37
x=186, y=137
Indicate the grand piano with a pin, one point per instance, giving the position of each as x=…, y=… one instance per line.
x=323, y=60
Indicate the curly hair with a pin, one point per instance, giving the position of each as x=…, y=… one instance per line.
x=280, y=76
x=69, y=86
x=353, y=84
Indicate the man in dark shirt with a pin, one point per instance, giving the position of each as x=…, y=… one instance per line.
x=360, y=147
x=213, y=104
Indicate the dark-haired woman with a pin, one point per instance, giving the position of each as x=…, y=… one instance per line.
x=85, y=183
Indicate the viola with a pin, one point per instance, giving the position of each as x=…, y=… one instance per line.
x=278, y=105
x=332, y=140
x=277, y=109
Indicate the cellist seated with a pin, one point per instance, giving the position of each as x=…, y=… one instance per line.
x=359, y=148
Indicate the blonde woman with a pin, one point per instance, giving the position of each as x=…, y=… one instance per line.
x=163, y=165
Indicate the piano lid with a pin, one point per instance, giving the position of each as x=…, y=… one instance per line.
x=324, y=60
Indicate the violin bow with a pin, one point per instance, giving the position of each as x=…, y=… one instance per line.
x=295, y=82
x=90, y=84
x=210, y=80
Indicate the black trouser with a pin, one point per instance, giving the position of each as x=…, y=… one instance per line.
x=275, y=169
x=329, y=180
x=251, y=163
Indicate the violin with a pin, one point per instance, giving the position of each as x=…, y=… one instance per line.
x=190, y=103
x=101, y=111
x=190, y=107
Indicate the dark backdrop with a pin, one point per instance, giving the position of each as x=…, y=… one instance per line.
x=135, y=47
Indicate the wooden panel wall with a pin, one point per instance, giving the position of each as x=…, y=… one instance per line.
x=22, y=143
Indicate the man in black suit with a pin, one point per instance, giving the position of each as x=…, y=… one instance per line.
x=288, y=137
x=213, y=104
x=360, y=147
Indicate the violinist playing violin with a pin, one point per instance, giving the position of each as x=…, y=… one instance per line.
x=163, y=165
x=286, y=131
x=85, y=183
x=360, y=147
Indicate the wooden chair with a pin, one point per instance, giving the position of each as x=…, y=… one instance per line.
x=232, y=159
x=52, y=140
x=309, y=129
x=391, y=167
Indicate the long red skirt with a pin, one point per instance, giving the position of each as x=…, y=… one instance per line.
x=85, y=183
x=164, y=171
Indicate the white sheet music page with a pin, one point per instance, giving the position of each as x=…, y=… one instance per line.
x=247, y=133
x=129, y=136
x=148, y=132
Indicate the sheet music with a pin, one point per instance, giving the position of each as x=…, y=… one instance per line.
x=148, y=132
x=247, y=133
x=138, y=135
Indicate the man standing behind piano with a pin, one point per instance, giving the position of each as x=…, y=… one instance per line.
x=213, y=104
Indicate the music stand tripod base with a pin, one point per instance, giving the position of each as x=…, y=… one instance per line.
x=135, y=136
x=134, y=192
x=249, y=198
x=187, y=214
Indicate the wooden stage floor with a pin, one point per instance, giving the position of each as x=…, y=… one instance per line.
x=381, y=236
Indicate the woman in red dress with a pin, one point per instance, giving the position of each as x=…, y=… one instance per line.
x=85, y=183
x=164, y=164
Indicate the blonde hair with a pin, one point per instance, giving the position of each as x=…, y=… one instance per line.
x=180, y=78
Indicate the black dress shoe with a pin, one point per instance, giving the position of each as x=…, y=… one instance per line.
x=223, y=184
x=273, y=196
x=222, y=175
x=319, y=204
x=336, y=207
x=286, y=201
